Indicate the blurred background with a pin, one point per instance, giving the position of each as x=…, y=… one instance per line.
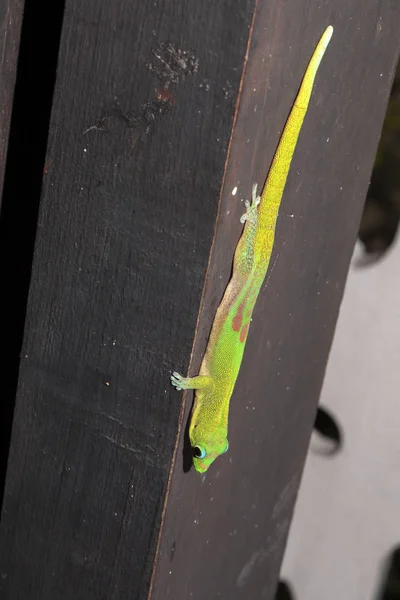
x=344, y=542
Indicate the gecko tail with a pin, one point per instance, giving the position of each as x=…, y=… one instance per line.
x=275, y=183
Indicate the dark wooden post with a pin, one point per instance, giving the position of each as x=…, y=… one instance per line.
x=161, y=110
x=30, y=32
x=10, y=18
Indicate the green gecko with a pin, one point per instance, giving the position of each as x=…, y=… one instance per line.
x=214, y=385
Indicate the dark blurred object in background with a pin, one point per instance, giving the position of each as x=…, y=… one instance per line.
x=390, y=589
x=381, y=215
x=328, y=428
x=284, y=592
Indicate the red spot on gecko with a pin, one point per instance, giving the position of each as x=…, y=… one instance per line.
x=243, y=333
x=238, y=318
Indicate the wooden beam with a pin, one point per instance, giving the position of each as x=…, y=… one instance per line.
x=10, y=19
x=224, y=536
x=157, y=117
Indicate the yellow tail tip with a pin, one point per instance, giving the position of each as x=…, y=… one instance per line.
x=327, y=34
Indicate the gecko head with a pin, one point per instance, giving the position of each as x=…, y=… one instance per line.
x=204, y=454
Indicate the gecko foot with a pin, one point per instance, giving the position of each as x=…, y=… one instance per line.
x=179, y=382
x=251, y=209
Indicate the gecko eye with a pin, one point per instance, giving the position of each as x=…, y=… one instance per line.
x=199, y=452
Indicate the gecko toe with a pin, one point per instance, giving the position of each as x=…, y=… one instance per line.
x=176, y=380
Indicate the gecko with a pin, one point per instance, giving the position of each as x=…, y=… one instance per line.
x=208, y=430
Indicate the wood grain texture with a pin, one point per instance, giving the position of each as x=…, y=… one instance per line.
x=23, y=176
x=10, y=28
x=142, y=118
x=141, y=121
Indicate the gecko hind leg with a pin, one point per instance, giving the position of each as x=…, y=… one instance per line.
x=189, y=383
x=251, y=208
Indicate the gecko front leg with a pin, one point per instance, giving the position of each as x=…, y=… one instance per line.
x=243, y=261
x=251, y=208
x=190, y=383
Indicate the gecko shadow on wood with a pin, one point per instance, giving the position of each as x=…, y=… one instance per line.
x=187, y=452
